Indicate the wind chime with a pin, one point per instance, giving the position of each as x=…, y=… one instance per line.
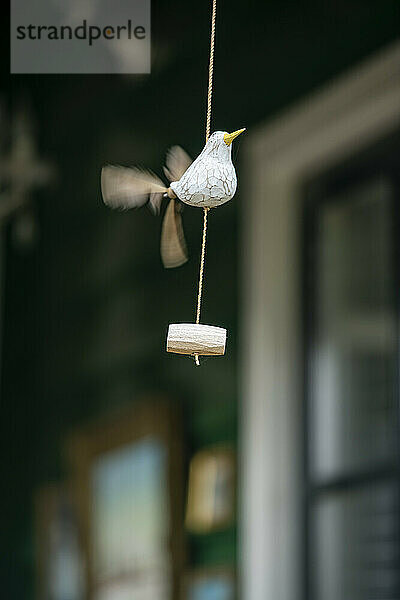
x=207, y=182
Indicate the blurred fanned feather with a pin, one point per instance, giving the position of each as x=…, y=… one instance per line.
x=177, y=162
x=125, y=188
x=173, y=245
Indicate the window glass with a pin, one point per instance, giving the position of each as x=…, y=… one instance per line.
x=352, y=405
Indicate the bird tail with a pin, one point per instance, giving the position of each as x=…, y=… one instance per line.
x=173, y=245
x=126, y=188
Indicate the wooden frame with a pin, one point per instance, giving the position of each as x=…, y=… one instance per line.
x=153, y=417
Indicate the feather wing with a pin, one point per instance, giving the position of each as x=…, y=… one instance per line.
x=125, y=188
x=173, y=245
x=177, y=162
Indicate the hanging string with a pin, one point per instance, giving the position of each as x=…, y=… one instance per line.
x=208, y=127
x=211, y=68
x=201, y=273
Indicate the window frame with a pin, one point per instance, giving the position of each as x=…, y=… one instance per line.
x=370, y=164
x=333, y=123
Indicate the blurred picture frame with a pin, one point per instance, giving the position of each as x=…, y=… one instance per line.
x=217, y=583
x=127, y=476
x=211, y=490
x=60, y=565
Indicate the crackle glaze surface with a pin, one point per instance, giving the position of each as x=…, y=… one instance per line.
x=211, y=179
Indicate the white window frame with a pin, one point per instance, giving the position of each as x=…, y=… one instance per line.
x=348, y=114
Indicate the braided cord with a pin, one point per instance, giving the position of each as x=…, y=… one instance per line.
x=211, y=68
x=208, y=127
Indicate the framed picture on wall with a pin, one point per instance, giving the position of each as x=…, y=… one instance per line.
x=127, y=475
x=211, y=490
x=60, y=564
x=210, y=584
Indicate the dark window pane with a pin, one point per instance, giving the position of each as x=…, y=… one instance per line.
x=352, y=408
x=354, y=545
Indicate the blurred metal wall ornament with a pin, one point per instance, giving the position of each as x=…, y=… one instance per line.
x=207, y=182
x=21, y=172
x=211, y=490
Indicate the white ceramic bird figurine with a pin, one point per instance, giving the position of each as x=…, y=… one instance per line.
x=209, y=181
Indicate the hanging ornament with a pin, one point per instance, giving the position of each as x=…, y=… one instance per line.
x=207, y=182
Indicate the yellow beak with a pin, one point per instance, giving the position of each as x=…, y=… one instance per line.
x=229, y=137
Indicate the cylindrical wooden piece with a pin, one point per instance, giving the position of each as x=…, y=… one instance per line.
x=192, y=338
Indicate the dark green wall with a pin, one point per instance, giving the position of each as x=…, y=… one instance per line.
x=87, y=310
